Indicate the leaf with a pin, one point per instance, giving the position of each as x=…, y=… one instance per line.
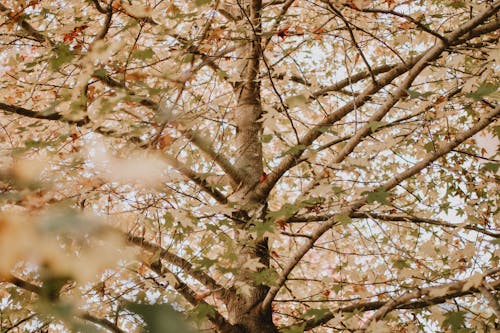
x=400, y=264
x=143, y=54
x=296, y=101
x=415, y=94
x=490, y=166
x=266, y=138
x=201, y=2
x=455, y=320
x=378, y=195
x=343, y=218
x=474, y=281
x=166, y=140
x=325, y=129
x=295, y=150
x=316, y=314
x=63, y=54
x=484, y=89
x=222, y=74
x=199, y=314
x=161, y=318
x=374, y=125
x=430, y=147
x=267, y=277
x=100, y=73
x=264, y=228
x=495, y=242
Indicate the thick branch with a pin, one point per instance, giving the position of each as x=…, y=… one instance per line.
x=196, y=178
x=182, y=263
x=205, y=146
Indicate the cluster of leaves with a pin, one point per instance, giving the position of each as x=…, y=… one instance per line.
x=127, y=196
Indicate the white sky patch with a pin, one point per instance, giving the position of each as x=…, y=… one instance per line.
x=488, y=142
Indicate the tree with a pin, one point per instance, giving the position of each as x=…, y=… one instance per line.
x=258, y=166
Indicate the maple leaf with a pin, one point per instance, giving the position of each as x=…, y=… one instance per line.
x=283, y=32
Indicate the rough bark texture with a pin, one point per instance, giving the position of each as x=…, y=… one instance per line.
x=245, y=312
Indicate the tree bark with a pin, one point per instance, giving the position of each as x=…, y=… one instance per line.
x=245, y=311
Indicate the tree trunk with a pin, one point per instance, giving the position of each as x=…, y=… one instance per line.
x=245, y=311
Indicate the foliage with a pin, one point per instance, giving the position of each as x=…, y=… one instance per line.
x=249, y=166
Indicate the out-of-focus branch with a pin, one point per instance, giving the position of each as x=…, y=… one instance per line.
x=40, y=115
x=21, y=21
x=178, y=165
x=85, y=315
x=492, y=299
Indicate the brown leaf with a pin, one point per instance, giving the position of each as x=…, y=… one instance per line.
x=166, y=140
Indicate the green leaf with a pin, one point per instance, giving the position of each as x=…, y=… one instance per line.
x=199, y=314
x=496, y=241
x=266, y=277
x=455, y=320
x=295, y=150
x=337, y=287
x=379, y=195
x=296, y=101
x=286, y=211
x=400, y=264
x=266, y=138
x=457, y=4
x=206, y=262
x=100, y=73
x=374, y=125
x=201, y=2
x=222, y=74
x=143, y=54
x=187, y=58
x=484, y=89
x=429, y=147
x=325, y=129
x=493, y=167
x=496, y=131
x=316, y=314
x=415, y=94
x=63, y=54
x=262, y=228
x=343, y=218
x=161, y=318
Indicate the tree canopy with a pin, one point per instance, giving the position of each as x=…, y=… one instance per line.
x=249, y=166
